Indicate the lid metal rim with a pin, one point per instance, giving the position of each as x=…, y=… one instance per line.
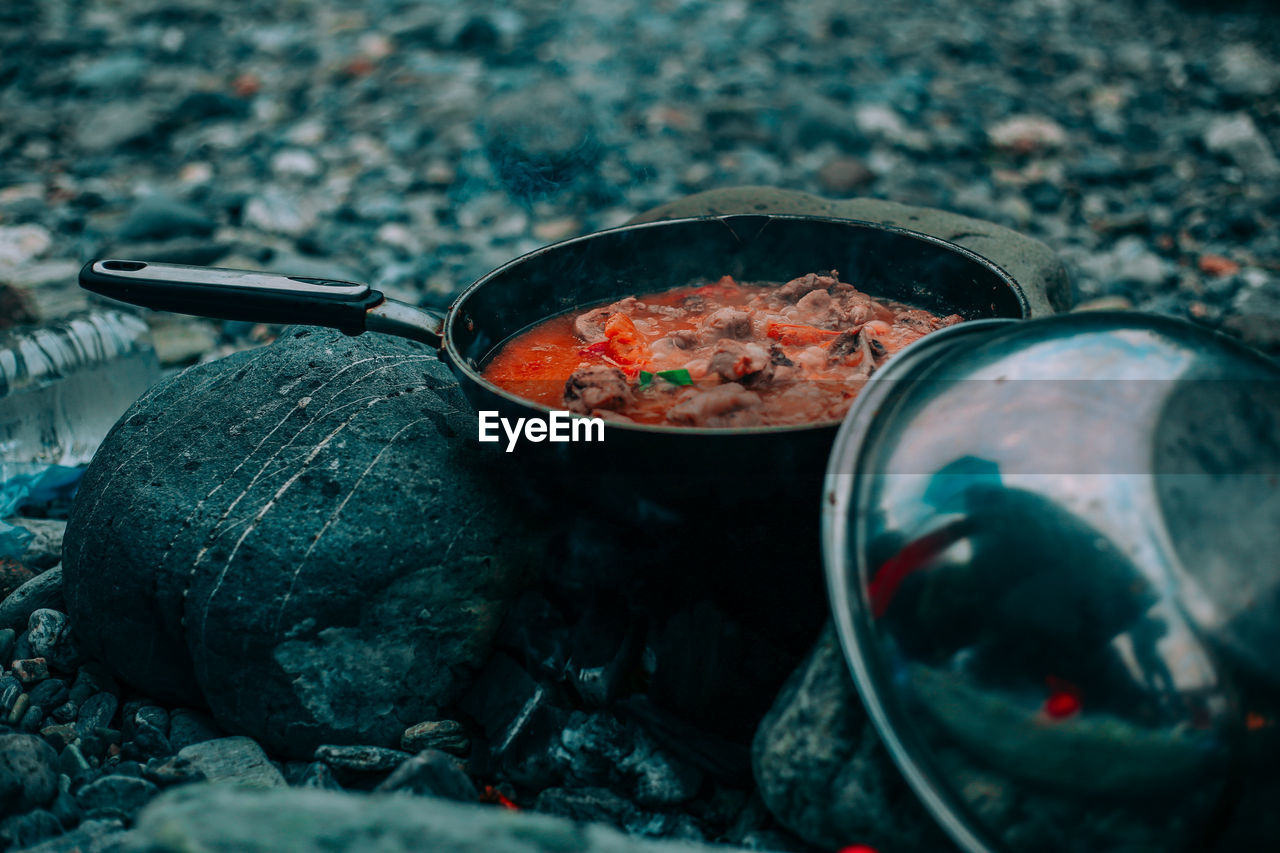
x=843, y=467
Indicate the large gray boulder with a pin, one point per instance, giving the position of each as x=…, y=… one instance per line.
x=303, y=537
x=212, y=819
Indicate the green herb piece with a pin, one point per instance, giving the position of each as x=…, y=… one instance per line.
x=676, y=377
x=645, y=378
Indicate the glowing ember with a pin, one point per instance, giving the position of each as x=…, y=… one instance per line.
x=858, y=848
x=1064, y=699
x=493, y=795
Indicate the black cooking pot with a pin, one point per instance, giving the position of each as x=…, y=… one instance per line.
x=740, y=504
x=650, y=469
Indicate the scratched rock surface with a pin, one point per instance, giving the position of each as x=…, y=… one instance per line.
x=300, y=537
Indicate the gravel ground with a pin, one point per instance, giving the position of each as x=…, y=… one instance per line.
x=418, y=145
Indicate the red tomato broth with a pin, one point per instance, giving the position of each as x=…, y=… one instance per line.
x=808, y=378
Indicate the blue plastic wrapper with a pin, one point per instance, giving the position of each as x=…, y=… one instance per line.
x=31, y=488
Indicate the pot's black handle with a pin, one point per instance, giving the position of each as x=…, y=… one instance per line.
x=259, y=297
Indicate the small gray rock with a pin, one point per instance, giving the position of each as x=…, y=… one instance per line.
x=161, y=218
x=25, y=830
x=115, y=796
x=199, y=817
x=431, y=773
x=22, y=243
x=49, y=633
x=661, y=779
x=1243, y=71
x=93, y=836
x=172, y=771
x=8, y=639
x=96, y=713
x=823, y=771
x=72, y=763
x=10, y=691
x=66, y=809
x=235, y=760
x=49, y=693
x=115, y=72
x=109, y=127
x=1237, y=138
x=279, y=212
x=28, y=777
x=42, y=591
x=188, y=726
x=319, y=775
x=446, y=735
x=360, y=759
x=31, y=669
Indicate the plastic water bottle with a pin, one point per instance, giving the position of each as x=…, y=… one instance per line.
x=62, y=388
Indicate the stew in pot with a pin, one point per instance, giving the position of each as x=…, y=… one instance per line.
x=723, y=354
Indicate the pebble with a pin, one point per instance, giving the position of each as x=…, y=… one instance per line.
x=1027, y=134
x=66, y=712
x=102, y=130
x=431, y=773
x=29, y=829
x=844, y=176
x=274, y=210
x=181, y=340
x=1217, y=266
x=1238, y=139
x=42, y=591
x=161, y=218
x=20, y=244
x=31, y=670
x=188, y=726
x=446, y=735
x=10, y=690
x=360, y=759
x=879, y=120
x=27, y=775
x=115, y=795
x=72, y=762
x=8, y=639
x=105, y=835
x=59, y=735
x=115, y=72
x=19, y=709
x=49, y=633
x=319, y=775
x=30, y=722
x=96, y=713
x=235, y=760
x=1105, y=303
x=66, y=809
x=1242, y=71
x=294, y=162
x=172, y=771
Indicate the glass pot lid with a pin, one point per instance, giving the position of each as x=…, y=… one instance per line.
x=1050, y=552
